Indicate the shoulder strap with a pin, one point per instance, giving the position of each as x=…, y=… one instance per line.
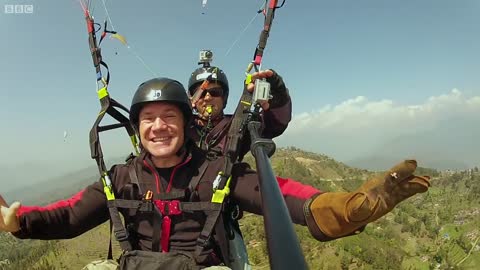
x=133, y=177
x=214, y=217
x=110, y=255
x=192, y=187
x=119, y=230
x=157, y=216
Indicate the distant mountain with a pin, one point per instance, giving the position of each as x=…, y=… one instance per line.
x=378, y=163
x=443, y=146
x=53, y=188
x=19, y=175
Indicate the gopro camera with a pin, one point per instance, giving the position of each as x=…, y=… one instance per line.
x=205, y=57
x=262, y=90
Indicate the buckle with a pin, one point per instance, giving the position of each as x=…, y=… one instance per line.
x=203, y=241
x=148, y=195
x=121, y=235
x=168, y=208
x=217, y=181
x=146, y=203
x=235, y=212
x=146, y=206
x=212, y=155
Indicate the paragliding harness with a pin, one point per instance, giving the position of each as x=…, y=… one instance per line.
x=247, y=120
x=163, y=207
x=108, y=106
x=170, y=204
x=243, y=115
x=238, y=127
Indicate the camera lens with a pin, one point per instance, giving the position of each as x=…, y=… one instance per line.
x=208, y=54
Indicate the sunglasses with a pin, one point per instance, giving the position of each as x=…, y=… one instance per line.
x=214, y=92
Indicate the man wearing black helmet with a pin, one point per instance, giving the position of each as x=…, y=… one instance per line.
x=209, y=89
x=166, y=197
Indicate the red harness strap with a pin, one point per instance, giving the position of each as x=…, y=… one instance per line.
x=167, y=208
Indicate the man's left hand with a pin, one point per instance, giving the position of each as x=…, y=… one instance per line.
x=251, y=86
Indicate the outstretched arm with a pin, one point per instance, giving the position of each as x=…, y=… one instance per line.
x=337, y=214
x=333, y=215
x=60, y=220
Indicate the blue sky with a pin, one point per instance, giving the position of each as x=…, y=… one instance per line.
x=329, y=52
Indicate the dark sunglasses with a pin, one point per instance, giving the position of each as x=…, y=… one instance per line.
x=214, y=92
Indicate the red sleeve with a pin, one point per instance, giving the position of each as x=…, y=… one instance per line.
x=247, y=193
x=290, y=187
x=65, y=218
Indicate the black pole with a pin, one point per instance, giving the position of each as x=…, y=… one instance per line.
x=282, y=242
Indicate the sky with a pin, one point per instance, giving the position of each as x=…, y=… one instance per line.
x=364, y=76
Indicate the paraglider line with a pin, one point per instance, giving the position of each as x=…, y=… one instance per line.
x=127, y=44
x=243, y=31
x=84, y=8
x=108, y=15
x=143, y=62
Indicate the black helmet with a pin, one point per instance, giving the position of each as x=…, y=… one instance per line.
x=160, y=89
x=213, y=74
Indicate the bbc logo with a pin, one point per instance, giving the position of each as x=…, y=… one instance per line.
x=18, y=9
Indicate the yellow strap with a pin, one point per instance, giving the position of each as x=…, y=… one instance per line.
x=220, y=194
x=107, y=187
x=101, y=112
x=133, y=138
x=246, y=103
x=248, y=80
x=249, y=67
x=109, y=193
x=102, y=93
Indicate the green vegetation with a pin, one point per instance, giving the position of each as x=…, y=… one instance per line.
x=439, y=229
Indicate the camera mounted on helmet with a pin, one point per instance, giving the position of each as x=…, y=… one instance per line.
x=205, y=58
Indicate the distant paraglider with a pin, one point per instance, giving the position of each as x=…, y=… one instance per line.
x=65, y=134
x=204, y=3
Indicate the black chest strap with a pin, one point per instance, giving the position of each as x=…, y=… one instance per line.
x=167, y=204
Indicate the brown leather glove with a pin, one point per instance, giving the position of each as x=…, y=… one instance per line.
x=339, y=214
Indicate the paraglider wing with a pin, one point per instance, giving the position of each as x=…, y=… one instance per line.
x=204, y=3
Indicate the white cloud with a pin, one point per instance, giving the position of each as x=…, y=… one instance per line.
x=359, y=126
